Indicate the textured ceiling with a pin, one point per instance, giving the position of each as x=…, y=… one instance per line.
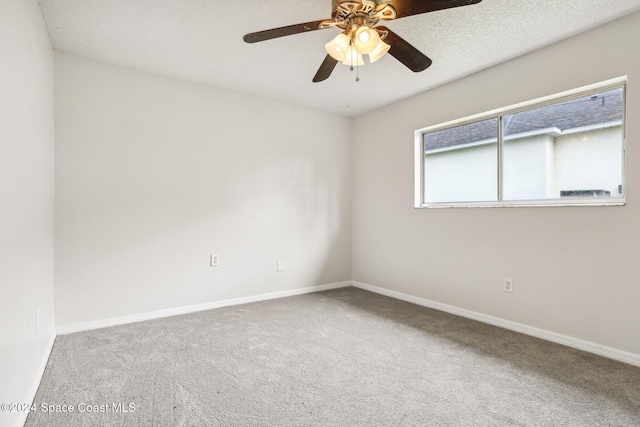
x=201, y=41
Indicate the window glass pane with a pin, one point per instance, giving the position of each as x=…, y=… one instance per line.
x=565, y=150
x=460, y=163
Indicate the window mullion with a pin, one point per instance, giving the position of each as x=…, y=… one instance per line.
x=500, y=155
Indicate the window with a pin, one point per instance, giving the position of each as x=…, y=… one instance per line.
x=566, y=149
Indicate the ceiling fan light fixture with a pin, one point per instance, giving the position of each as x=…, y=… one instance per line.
x=361, y=35
x=379, y=51
x=337, y=47
x=353, y=57
x=366, y=39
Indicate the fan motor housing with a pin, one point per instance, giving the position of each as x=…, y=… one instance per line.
x=336, y=3
x=371, y=11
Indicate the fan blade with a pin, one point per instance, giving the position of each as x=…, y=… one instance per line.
x=261, y=36
x=415, y=60
x=415, y=7
x=325, y=69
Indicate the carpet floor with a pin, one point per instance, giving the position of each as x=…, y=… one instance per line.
x=345, y=357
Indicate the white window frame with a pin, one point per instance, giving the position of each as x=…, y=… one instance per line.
x=419, y=150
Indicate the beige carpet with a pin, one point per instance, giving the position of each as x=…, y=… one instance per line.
x=338, y=358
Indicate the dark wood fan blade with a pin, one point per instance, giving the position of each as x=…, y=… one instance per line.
x=400, y=49
x=325, y=69
x=415, y=7
x=274, y=33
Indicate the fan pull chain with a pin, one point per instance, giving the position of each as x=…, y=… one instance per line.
x=351, y=51
x=356, y=61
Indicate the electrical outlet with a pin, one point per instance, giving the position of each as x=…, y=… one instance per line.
x=508, y=284
x=280, y=266
x=214, y=260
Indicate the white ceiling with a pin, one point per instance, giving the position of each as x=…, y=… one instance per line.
x=201, y=41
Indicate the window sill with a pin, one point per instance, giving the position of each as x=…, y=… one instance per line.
x=614, y=201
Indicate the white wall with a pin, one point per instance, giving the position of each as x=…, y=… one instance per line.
x=574, y=268
x=153, y=175
x=468, y=174
x=596, y=165
x=526, y=168
x=26, y=199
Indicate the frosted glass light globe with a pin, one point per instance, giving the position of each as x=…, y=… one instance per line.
x=353, y=57
x=366, y=39
x=337, y=47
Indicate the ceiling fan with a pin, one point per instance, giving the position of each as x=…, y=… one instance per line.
x=361, y=34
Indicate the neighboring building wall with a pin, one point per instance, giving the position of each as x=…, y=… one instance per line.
x=26, y=202
x=551, y=168
x=525, y=168
x=535, y=168
x=468, y=174
x=589, y=160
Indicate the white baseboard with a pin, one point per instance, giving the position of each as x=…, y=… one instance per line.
x=611, y=353
x=96, y=324
x=31, y=395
